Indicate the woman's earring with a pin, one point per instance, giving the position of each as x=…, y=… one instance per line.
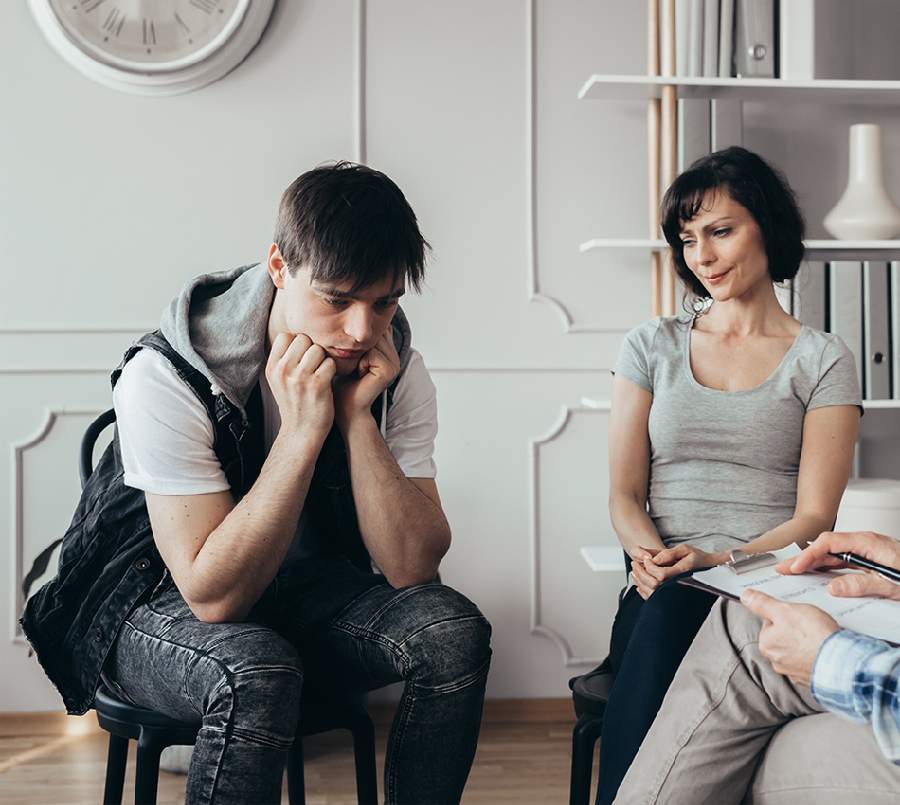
x=700, y=304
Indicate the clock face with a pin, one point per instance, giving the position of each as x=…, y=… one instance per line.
x=149, y=36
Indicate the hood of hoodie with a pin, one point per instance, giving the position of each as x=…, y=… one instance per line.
x=219, y=323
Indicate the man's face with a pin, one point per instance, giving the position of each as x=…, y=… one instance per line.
x=346, y=325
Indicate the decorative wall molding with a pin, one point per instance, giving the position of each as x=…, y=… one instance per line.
x=64, y=329
x=51, y=416
x=534, y=290
x=538, y=628
x=360, y=89
x=524, y=370
x=45, y=349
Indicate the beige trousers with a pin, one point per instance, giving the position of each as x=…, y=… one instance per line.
x=731, y=730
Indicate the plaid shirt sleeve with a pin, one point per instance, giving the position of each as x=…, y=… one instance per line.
x=859, y=677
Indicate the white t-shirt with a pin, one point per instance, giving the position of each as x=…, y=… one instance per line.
x=166, y=437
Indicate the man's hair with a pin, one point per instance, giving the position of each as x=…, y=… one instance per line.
x=350, y=223
x=754, y=184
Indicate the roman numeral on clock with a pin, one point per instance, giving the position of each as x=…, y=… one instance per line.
x=114, y=22
x=205, y=5
x=148, y=32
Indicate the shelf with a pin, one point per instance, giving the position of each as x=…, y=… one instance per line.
x=815, y=249
x=643, y=87
x=867, y=404
x=604, y=558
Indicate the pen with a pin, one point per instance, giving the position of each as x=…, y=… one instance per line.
x=858, y=561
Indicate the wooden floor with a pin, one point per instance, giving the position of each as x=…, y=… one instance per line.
x=523, y=757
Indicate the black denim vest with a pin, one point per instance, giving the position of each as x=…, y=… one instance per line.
x=108, y=561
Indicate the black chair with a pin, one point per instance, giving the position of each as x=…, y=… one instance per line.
x=590, y=692
x=320, y=711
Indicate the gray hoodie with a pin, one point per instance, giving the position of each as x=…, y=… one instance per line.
x=218, y=324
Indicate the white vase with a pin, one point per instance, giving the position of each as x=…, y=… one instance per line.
x=865, y=211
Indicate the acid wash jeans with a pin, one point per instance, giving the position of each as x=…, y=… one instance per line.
x=244, y=680
x=732, y=730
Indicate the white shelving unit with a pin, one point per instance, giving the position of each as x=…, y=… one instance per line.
x=815, y=249
x=643, y=88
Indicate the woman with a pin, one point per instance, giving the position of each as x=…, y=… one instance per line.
x=709, y=414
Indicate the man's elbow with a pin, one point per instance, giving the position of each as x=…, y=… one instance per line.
x=220, y=610
x=422, y=569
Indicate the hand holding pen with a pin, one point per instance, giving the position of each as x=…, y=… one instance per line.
x=877, y=553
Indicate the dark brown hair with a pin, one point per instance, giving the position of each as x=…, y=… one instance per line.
x=350, y=223
x=755, y=185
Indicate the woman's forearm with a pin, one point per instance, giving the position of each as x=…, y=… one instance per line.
x=801, y=528
x=632, y=524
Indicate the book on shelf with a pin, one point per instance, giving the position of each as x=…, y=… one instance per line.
x=754, y=38
x=726, y=123
x=682, y=31
x=726, y=38
x=809, y=295
x=710, y=38
x=695, y=38
x=845, y=307
x=894, y=315
x=876, y=331
x=693, y=131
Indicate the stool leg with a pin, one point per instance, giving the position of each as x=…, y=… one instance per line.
x=296, y=782
x=116, y=758
x=584, y=737
x=147, y=777
x=364, y=756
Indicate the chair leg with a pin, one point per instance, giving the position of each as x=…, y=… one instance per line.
x=296, y=781
x=116, y=758
x=147, y=777
x=584, y=737
x=364, y=757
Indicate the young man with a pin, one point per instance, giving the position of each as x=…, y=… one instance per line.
x=274, y=441
x=748, y=717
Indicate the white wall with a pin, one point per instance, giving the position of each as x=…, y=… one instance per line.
x=108, y=202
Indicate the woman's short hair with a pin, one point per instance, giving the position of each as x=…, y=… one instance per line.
x=755, y=185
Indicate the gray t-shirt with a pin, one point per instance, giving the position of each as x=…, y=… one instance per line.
x=724, y=464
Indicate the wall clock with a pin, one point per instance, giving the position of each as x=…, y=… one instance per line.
x=153, y=47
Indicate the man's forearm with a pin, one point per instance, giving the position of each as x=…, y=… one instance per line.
x=404, y=531
x=242, y=555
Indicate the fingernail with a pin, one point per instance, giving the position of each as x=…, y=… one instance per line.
x=795, y=565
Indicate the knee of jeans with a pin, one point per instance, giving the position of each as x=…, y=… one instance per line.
x=258, y=693
x=453, y=648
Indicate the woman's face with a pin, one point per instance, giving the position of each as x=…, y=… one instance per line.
x=723, y=247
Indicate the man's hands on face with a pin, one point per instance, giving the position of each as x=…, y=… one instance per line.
x=354, y=394
x=877, y=547
x=791, y=634
x=300, y=374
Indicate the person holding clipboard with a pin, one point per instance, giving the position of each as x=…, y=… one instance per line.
x=743, y=718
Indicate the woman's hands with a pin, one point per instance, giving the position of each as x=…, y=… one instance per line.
x=651, y=567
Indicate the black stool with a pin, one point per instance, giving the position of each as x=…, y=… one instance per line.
x=154, y=732
x=590, y=692
x=320, y=711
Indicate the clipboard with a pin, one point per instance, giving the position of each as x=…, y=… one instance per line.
x=740, y=563
x=875, y=617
